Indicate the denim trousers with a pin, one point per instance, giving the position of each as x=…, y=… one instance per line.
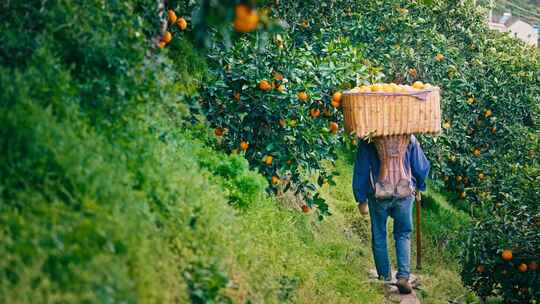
x=401, y=211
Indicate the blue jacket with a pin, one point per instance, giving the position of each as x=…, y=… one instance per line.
x=367, y=161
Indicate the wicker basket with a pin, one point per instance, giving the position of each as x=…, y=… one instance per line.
x=383, y=114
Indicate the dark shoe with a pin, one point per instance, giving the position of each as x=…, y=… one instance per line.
x=403, y=286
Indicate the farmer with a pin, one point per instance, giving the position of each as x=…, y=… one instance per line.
x=366, y=167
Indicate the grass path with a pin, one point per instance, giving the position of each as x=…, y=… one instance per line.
x=440, y=225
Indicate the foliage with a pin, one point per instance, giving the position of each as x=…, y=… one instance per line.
x=490, y=86
x=277, y=121
x=93, y=170
x=487, y=272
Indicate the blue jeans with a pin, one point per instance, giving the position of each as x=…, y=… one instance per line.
x=401, y=211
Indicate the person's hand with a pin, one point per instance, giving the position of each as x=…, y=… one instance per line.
x=363, y=208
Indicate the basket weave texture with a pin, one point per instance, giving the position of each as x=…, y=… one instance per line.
x=392, y=114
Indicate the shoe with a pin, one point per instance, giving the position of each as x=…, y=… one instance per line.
x=403, y=286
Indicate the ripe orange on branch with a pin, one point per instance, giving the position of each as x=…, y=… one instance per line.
x=303, y=96
x=439, y=57
x=167, y=37
x=480, y=268
x=336, y=99
x=315, y=112
x=218, y=131
x=244, y=145
x=506, y=255
x=172, y=16
x=264, y=85
x=182, y=23
x=522, y=267
x=275, y=180
x=278, y=76
x=268, y=160
x=246, y=19
x=333, y=127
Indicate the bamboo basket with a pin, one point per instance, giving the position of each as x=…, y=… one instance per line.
x=384, y=114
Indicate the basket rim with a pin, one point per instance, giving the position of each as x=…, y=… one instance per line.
x=432, y=89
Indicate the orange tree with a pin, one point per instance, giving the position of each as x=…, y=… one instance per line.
x=275, y=97
x=488, y=151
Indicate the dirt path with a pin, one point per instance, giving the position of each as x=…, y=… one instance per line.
x=391, y=291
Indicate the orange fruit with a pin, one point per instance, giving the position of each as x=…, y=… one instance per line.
x=264, y=85
x=481, y=176
x=237, y=96
x=167, y=37
x=242, y=11
x=278, y=77
x=275, y=180
x=244, y=145
x=522, y=267
x=281, y=88
x=246, y=19
x=182, y=23
x=161, y=44
x=303, y=96
x=387, y=88
x=477, y=152
x=506, y=254
x=334, y=127
x=269, y=159
x=470, y=100
x=459, y=178
x=463, y=195
x=413, y=72
x=488, y=113
x=336, y=97
x=305, y=208
x=315, y=113
x=418, y=85
x=439, y=57
x=480, y=268
x=533, y=265
x=494, y=130
x=218, y=131
x=376, y=88
x=172, y=16
x=282, y=122
x=305, y=24
x=446, y=125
